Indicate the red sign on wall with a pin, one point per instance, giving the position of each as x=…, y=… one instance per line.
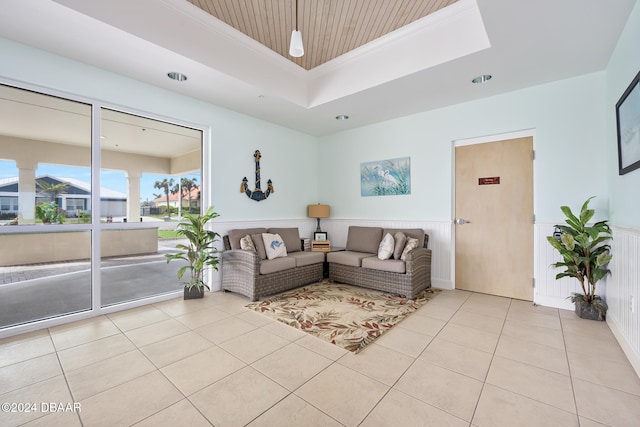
x=489, y=180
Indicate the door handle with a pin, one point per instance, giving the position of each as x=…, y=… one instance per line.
x=462, y=221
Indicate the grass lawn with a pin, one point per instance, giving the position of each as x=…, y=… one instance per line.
x=168, y=234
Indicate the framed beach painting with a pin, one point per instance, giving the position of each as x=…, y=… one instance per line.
x=628, y=121
x=385, y=177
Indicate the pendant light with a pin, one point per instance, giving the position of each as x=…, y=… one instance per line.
x=296, y=49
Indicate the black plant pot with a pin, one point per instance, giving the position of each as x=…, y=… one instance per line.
x=584, y=310
x=193, y=292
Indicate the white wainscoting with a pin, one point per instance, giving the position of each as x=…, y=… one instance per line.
x=306, y=226
x=337, y=229
x=619, y=288
x=548, y=291
x=623, y=316
x=439, y=242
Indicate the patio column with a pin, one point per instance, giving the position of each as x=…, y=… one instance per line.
x=26, y=191
x=133, y=196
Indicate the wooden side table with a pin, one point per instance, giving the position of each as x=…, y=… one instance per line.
x=321, y=246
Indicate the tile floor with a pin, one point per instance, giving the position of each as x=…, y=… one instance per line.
x=462, y=360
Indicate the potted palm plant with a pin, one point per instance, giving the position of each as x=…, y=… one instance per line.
x=585, y=254
x=199, y=253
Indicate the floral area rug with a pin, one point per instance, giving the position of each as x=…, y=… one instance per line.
x=347, y=316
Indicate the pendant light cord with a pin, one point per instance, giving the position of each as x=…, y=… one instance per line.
x=296, y=15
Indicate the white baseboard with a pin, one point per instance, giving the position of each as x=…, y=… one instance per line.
x=216, y=285
x=551, y=301
x=442, y=284
x=632, y=355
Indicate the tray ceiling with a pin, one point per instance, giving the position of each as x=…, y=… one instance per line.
x=425, y=63
x=330, y=28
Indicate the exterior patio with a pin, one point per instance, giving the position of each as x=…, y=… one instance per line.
x=50, y=289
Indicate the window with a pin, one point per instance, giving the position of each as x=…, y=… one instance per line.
x=75, y=206
x=7, y=203
x=59, y=213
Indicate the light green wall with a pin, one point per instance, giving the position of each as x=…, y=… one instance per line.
x=623, y=67
x=572, y=120
x=234, y=136
x=568, y=118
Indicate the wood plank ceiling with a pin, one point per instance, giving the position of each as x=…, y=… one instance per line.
x=330, y=28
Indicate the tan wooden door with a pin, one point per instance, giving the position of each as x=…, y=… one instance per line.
x=494, y=196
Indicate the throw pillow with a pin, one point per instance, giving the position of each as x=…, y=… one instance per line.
x=274, y=245
x=385, y=250
x=290, y=237
x=411, y=244
x=246, y=243
x=259, y=245
x=401, y=241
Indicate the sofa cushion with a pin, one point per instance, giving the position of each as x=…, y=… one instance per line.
x=237, y=234
x=400, y=240
x=348, y=257
x=290, y=236
x=385, y=249
x=416, y=233
x=274, y=245
x=259, y=244
x=306, y=258
x=411, y=244
x=278, y=264
x=391, y=265
x=364, y=239
x=246, y=244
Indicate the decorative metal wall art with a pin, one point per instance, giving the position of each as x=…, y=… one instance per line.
x=257, y=194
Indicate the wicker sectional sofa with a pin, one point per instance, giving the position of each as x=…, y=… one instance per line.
x=252, y=274
x=360, y=265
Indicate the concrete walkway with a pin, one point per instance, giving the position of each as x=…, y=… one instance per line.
x=41, y=291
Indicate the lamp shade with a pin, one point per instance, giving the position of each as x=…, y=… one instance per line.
x=296, y=49
x=318, y=211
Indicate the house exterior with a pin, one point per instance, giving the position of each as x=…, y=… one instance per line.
x=175, y=199
x=74, y=200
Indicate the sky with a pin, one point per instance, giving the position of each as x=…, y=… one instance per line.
x=113, y=180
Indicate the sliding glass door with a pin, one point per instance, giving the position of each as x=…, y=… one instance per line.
x=45, y=187
x=89, y=201
x=144, y=166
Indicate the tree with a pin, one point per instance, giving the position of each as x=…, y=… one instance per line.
x=50, y=212
x=165, y=185
x=51, y=189
x=188, y=184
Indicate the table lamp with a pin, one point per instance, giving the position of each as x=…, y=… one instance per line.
x=318, y=211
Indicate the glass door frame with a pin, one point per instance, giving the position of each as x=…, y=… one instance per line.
x=95, y=227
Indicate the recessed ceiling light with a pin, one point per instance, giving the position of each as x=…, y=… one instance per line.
x=174, y=75
x=482, y=79
x=342, y=117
